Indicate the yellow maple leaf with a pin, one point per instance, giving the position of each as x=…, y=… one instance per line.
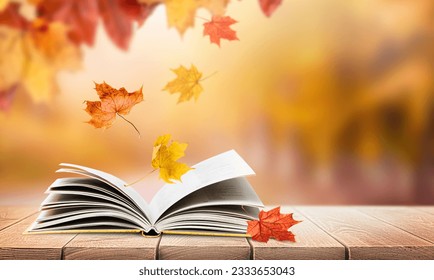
x=34, y=58
x=12, y=64
x=181, y=13
x=51, y=39
x=165, y=156
x=186, y=83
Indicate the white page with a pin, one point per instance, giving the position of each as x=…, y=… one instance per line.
x=111, y=180
x=222, y=167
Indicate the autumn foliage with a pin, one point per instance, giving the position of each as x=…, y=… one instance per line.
x=46, y=42
x=113, y=102
x=272, y=224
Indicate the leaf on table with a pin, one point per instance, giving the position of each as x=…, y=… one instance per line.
x=112, y=102
x=219, y=28
x=186, y=83
x=181, y=13
x=165, y=156
x=269, y=6
x=272, y=224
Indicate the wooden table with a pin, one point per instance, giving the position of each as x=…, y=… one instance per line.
x=357, y=232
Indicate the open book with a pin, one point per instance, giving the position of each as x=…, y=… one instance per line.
x=213, y=198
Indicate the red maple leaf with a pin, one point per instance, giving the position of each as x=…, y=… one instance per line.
x=272, y=224
x=219, y=28
x=81, y=17
x=11, y=17
x=118, y=17
x=269, y=6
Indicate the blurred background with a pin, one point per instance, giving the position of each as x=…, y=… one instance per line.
x=330, y=102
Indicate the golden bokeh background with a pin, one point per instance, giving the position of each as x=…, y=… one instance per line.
x=330, y=102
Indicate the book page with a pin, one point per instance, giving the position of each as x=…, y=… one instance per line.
x=117, y=183
x=222, y=167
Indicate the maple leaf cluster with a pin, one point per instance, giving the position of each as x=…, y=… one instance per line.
x=119, y=102
x=40, y=47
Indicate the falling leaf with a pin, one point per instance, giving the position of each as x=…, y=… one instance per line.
x=113, y=102
x=219, y=28
x=186, y=83
x=165, y=156
x=272, y=224
x=181, y=13
x=269, y=6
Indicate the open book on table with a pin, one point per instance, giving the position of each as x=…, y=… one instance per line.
x=214, y=198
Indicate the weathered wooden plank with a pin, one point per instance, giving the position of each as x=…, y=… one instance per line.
x=111, y=246
x=183, y=247
x=426, y=209
x=411, y=220
x=312, y=243
x=16, y=245
x=12, y=214
x=367, y=237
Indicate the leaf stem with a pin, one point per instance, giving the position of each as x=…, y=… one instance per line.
x=146, y=175
x=129, y=123
x=209, y=76
x=199, y=17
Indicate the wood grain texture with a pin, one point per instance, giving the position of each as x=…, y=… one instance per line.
x=366, y=237
x=426, y=209
x=184, y=247
x=411, y=220
x=18, y=246
x=312, y=243
x=12, y=214
x=111, y=246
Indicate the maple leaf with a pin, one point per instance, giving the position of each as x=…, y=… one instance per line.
x=81, y=16
x=10, y=16
x=181, y=13
x=52, y=41
x=165, y=156
x=113, y=102
x=118, y=16
x=269, y=6
x=186, y=83
x=219, y=28
x=272, y=224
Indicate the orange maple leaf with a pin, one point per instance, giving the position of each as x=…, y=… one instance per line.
x=113, y=102
x=272, y=224
x=219, y=28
